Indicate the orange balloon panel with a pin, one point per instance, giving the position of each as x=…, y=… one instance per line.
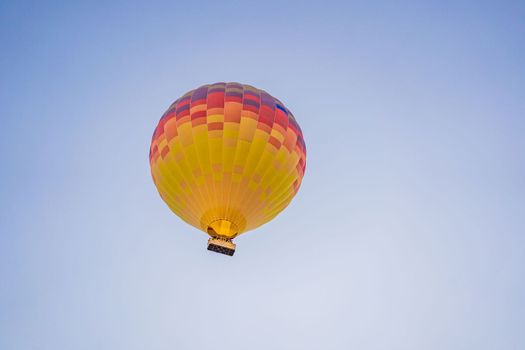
x=227, y=158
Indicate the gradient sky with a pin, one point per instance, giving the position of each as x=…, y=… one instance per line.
x=407, y=233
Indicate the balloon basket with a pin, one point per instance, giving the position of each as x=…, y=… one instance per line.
x=222, y=246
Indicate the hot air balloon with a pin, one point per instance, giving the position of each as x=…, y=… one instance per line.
x=227, y=158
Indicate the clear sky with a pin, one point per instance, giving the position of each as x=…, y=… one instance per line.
x=408, y=231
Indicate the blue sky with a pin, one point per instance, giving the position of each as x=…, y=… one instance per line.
x=408, y=231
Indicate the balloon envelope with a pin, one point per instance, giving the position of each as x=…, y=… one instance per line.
x=227, y=158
